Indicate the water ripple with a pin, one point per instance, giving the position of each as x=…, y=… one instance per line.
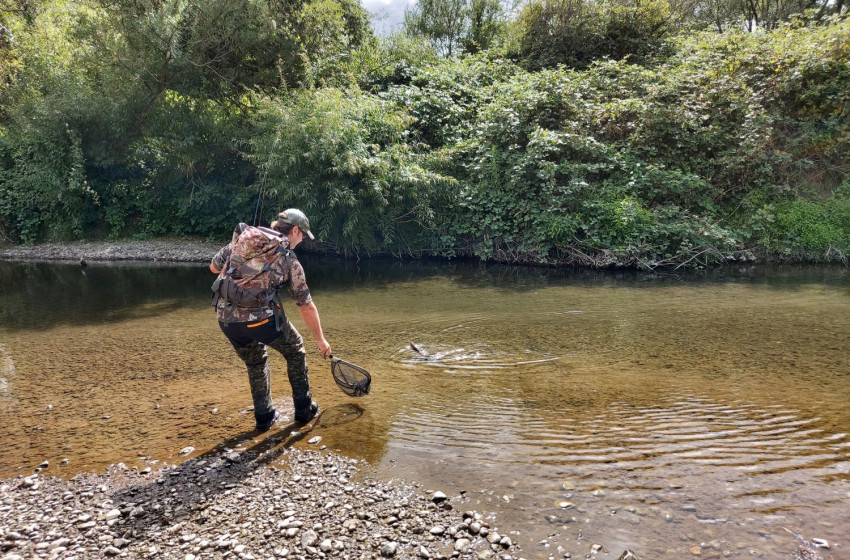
x=688, y=437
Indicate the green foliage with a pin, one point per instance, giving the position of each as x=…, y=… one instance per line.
x=589, y=137
x=455, y=26
x=445, y=96
x=575, y=33
x=812, y=230
x=346, y=159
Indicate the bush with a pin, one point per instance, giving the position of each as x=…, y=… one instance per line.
x=347, y=160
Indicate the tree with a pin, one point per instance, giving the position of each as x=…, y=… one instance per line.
x=455, y=25
x=577, y=32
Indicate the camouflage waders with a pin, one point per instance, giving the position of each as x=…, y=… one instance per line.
x=255, y=355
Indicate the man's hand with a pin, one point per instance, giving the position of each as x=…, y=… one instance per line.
x=324, y=348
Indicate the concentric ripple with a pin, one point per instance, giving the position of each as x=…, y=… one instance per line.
x=476, y=356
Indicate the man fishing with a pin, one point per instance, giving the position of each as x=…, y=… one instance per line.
x=251, y=270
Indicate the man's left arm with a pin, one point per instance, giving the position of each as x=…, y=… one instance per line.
x=310, y=314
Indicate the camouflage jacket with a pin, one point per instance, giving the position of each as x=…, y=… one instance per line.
x=283, y=271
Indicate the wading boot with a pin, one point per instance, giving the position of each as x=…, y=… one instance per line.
x=256, y=360
x=305, y=409
x=267, y=420
x=296, y=369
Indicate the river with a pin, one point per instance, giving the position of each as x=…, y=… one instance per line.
x=689, y=415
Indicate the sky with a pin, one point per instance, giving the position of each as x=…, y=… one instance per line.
x=387, y=15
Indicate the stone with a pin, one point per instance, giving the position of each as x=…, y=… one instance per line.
x=438, y=497
x=462, y=544
x=389, y=549
x=309, y=538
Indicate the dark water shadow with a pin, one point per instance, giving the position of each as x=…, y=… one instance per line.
x=37, y=295
x=40, y=294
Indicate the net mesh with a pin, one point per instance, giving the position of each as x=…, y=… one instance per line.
x=353, y=380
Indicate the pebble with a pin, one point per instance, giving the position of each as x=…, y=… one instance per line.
x=314, y=440
x=462, y=544
x=303, y=505
x=389, y=549
x=438, y=497
x=187, y=450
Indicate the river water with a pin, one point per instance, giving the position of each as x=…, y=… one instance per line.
x=676, y=415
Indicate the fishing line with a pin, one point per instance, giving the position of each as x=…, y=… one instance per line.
x=260, y=195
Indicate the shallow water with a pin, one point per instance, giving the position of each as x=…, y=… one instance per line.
x=667, y=414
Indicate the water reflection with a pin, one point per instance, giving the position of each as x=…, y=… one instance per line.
x=656, y=412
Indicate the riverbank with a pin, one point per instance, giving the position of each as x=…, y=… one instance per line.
x=266, y=502
x=164, y=250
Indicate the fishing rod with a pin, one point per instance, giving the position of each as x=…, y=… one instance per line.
x=261, y=194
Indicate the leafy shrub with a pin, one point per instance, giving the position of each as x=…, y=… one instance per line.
x=347, y=160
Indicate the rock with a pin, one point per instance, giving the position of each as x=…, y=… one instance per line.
x=389, y=549
x=628, y=555
x=252, y=508
x=309, y=538
x=186, y=450
x=314, y=440
x=438, y=497
x=462, y=544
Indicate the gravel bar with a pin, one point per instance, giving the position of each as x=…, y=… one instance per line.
x=165, y=250
x=281, y=503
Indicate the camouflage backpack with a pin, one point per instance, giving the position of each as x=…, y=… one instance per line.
x=246, y=279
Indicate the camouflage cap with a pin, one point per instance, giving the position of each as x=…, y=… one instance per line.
x=296, y=217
